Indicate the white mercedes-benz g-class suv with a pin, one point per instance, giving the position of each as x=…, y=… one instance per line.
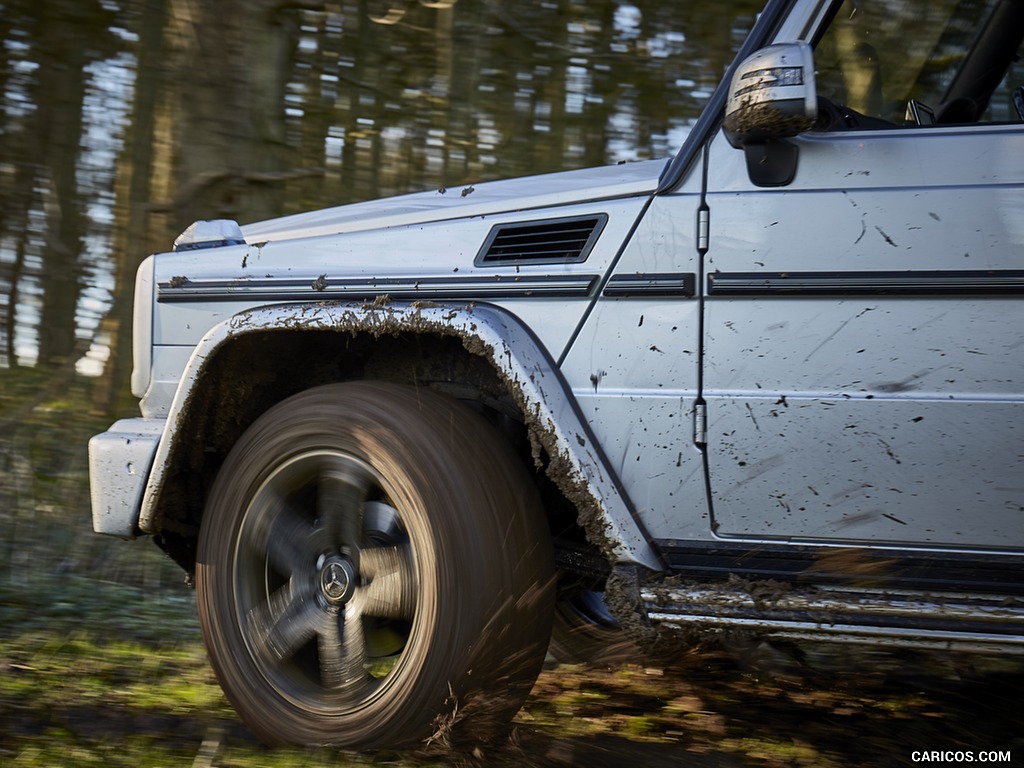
x=774, y=385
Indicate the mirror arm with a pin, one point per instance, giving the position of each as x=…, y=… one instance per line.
x=772, y=97
x=771, y=162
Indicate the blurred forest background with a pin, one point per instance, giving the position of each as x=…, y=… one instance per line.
x=121, y=122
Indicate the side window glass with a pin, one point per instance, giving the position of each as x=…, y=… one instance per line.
x=1007, y=103
x=882, y=63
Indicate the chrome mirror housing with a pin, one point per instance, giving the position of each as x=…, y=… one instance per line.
x=772, y=95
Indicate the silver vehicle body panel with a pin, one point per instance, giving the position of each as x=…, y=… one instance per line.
x=866, y=337
x=426, y=261
x=505, y=341
x=475, y=200
x=119, y=464
x=634, y=372
x=732, y=371
x=202, y=298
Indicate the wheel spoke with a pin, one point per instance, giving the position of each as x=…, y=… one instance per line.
x=286, y=542
x=341, y=646
x=284, y=622
x=342, y=488
x=330, y=651
x=390, y=591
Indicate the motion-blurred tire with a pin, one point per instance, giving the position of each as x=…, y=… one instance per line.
x=586, y=632
x=374, y=569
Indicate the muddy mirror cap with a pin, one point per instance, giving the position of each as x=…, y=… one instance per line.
x=772, y=95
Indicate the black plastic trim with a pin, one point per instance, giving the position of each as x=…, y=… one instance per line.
x=856, y=566
x=566, y=240
x=325, y=288
x=911, y=282
x=678, y=284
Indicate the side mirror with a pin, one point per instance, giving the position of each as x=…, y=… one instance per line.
x=772, y=95
x=771, y=98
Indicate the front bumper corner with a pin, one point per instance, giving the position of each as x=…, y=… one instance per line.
x=120, y=460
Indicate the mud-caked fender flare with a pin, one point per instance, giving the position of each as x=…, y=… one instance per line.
x=576, y=463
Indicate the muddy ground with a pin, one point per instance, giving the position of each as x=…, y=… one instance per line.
x=761, y=706
x=101, y=664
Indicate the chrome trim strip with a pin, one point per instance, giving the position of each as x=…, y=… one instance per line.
x=981, y=622
x=654, y=284
x=325, y=288
x=910, y=282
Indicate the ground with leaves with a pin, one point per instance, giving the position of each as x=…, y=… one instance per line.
x=101, y=662
x=90, y=683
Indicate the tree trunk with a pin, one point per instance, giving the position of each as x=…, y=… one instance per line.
x=59, y=96
x=134, y=237
x=229, y=130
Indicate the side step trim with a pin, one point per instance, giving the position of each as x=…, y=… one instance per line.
x=851, y=567
x=974, y=623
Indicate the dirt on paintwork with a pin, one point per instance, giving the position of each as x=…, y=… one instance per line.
x=556, y=463
x=221, y=405
x=754, y=121
x=750, y=705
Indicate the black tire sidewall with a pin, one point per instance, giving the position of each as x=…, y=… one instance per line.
x=461, y=503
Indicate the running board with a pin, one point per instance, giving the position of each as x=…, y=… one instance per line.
x=955, y=622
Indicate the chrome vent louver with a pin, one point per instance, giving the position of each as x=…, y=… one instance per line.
x=550, y=241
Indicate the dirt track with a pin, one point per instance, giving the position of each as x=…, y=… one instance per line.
x=833, y=707
x=843, y=708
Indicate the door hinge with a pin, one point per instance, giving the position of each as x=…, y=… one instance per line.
x=700, y=424
x=703, y=228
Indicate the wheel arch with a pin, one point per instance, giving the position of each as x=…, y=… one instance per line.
x=479, y=352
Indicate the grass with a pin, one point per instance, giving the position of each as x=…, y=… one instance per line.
x=101, y=661
x=121, y=680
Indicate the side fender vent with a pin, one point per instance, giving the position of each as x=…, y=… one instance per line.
x=552, y=241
